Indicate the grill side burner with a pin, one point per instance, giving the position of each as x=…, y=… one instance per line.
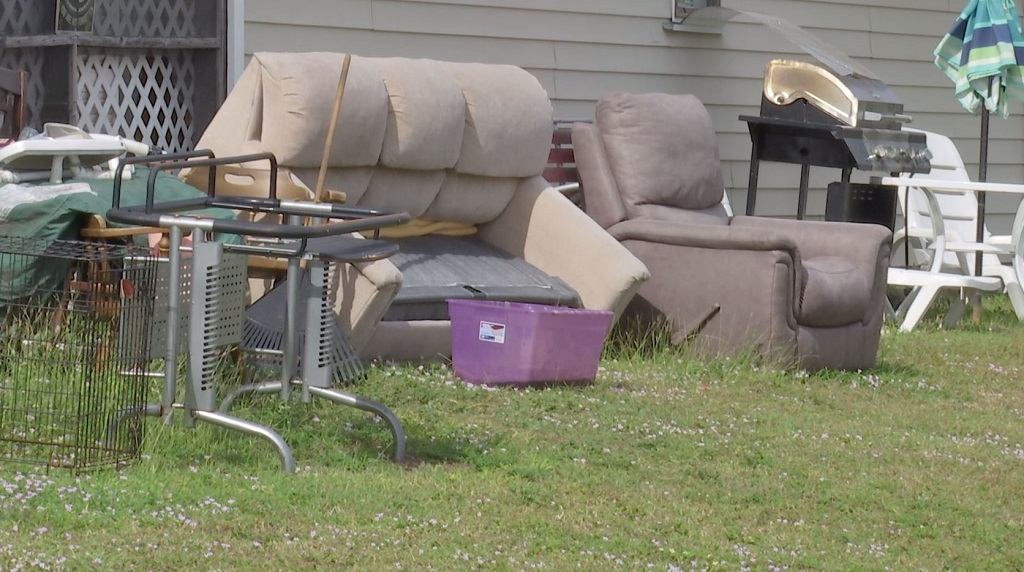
x=811, y=116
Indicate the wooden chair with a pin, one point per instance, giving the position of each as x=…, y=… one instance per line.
x=561, y=168
x=12, y=103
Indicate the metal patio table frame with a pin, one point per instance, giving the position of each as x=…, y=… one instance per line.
x=293, y=243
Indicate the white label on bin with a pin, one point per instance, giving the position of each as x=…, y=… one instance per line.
x=492, y=332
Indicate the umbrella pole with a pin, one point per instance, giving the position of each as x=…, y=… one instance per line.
x=980, y=233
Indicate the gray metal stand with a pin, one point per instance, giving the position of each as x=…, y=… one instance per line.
x=319, y=355
x=216, y=287
x=217, y=298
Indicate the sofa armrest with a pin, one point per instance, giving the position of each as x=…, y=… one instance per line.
x=547, y=230
x=364, y=292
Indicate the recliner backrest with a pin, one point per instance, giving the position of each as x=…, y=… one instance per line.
x=662, y=153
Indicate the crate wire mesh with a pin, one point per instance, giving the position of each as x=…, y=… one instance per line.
x=74, y=344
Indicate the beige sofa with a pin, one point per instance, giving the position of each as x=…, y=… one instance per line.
x=459, y=146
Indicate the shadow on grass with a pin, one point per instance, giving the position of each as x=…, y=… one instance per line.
x=327, y=433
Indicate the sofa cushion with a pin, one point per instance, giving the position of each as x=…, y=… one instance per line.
x=508, y=121
x=662, y=150
x=353, y=181
x=471, y=198
x=426, y=114
x=835, y=292
x=402, y=189
x=298, y=99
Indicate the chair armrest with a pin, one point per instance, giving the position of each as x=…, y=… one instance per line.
x=929, y=188
x=365, y=292
x=96, y=228
x=985, y=247
x=1017, y=242
x=705, y=236
x=776, y=245
x=859, y=242
x=868, y=246
x=336, y=197
x=748, y=263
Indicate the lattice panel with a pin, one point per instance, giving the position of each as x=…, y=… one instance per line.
x=25, y=17
x=146, y=96
x=30, y=60
x=121, y=18
x=147, y=18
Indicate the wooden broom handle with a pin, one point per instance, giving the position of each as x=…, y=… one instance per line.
x=335, y=113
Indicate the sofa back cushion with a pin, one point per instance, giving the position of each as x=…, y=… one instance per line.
x=297, y=99
x=426, y=114
x=443, y=141
x=508, y=121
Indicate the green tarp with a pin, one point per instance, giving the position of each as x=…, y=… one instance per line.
x=45, y=213
x=64, y=205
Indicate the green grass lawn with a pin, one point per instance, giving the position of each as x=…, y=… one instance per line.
x=663, y=464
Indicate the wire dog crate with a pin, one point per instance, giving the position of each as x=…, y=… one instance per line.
x=74, y=342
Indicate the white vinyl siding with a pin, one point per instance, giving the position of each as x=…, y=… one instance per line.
x=581, y=49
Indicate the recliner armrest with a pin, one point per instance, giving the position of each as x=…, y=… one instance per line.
x=821, y=279
x=705, y=236
x=859, y=242
x=866, y=245
x=722, y=264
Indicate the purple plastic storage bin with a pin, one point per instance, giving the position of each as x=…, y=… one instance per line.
x=512, y=343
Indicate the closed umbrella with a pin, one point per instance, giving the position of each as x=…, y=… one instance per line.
x=983, y=54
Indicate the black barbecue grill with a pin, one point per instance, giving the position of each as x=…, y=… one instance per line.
x=813, y=116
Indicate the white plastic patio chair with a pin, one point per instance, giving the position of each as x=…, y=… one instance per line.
x=954, y=193
x=926, y=283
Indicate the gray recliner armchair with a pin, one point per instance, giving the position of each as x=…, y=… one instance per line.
x=809, y=293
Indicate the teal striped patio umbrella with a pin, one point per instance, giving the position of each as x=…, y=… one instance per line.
x=983, y=54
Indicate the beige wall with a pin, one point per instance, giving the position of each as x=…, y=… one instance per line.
x=580, y=49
